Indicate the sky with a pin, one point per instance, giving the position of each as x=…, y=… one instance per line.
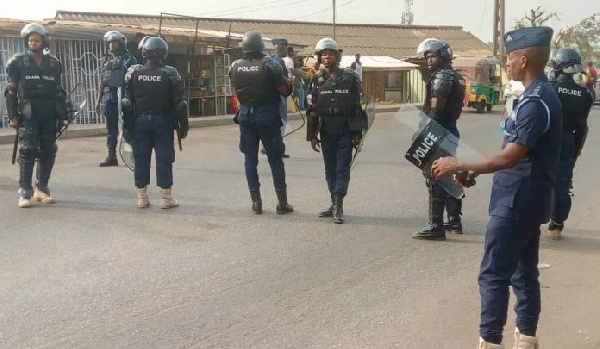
x=474, y=16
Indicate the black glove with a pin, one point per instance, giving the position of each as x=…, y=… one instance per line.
x=464, y=179
x=127, y=135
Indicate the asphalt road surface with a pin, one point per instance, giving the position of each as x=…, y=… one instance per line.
x=94, y=271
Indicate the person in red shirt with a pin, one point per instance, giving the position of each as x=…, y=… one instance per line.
x=592, y=77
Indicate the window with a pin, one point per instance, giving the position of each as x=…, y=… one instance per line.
x=394, y=80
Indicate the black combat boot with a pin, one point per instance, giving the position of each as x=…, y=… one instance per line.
x=256, y=200
x=283, y=207
x=454, y=210
x=111, y=159
x=338, y=209
x=328, y=212
x=435, y=230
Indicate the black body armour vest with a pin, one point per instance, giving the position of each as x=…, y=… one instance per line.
x=38, y=86
x=454, y=103
x=337, y=102
x=152, y=91
x=575, y=103
x=253, y=84
x=38, y=82
x=113, y=72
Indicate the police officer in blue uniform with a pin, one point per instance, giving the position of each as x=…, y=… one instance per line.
x=260, y=86
x=337, y=116
x=152, y=108
x=576, y=103
x=36, y=106
x=112, y=76
x=443, y=103
x=525, y=173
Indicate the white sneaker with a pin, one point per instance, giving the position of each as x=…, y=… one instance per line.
x=43, y=197
x=525, y=342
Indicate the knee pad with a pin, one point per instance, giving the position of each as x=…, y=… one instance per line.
x=278, y=146
x=49, y=151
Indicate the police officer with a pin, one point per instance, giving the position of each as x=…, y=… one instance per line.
x=152, y=108
x=576, y=103
x=443, y=103
x=114, y=67
x=337, y=116
x=261, y=86
x=36, y=106
x=525, y=172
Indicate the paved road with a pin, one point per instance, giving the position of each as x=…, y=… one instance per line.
x=93, y=271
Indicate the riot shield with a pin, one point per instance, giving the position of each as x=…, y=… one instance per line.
x=369, y=109
x=125, y=149
x=72, y=114
x=431, y=141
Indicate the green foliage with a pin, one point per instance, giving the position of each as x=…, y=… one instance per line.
x=536, y=17
x=584, y=37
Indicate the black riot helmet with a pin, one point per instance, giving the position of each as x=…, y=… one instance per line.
x=34, y=28
x=567, y=61
x=154, y=47
x=114, y=35
x=141, y=43
x=252, y=42
x=435, y=45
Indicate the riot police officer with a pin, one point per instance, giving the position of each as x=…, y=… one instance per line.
x=443, y=103
x=152, y=108
x=261, y=86
x=37, y=108
x=576, y=103
x=525, y=171
x=114, y=67
x=335, y=115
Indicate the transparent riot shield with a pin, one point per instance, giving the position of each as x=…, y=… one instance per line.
x=125, y=149
x=369, y=109
x=431, y=141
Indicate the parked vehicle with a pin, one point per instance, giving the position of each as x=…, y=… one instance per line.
x=483, y=79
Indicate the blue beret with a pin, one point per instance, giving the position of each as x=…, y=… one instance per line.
x=527, y=37
x=280, y=41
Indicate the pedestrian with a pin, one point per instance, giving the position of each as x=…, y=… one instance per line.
x=153, y=107
x=576, y=103
x=525, y=171
x=260, y=85
x=36, y=105
x=358, y=66
x=592, y=77
x=443, y=103
x=337, y=117
x=114, y=67
x=280, y=46
x=299, y=82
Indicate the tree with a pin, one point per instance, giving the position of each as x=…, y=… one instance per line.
x=535, y=18
x=584, y=37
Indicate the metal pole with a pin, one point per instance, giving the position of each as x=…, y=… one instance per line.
x=499, y=29
x=333, y=19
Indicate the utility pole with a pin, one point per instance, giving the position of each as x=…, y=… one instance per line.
x=407, y=15
x=499, y=29
x=333, y=3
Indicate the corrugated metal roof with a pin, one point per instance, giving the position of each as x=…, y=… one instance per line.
x=83, y=30
x=371, y=63
x=398, y=41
